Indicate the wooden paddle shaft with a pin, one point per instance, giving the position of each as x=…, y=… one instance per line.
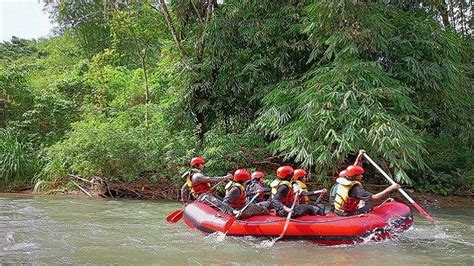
x=287, y=222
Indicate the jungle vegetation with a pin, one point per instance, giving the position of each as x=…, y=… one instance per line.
x=128, y=90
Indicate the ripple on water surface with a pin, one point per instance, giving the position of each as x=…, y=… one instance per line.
x=67, y=230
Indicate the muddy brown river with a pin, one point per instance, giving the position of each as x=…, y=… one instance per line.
x=69, y=230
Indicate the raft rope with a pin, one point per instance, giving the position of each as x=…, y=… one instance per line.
x=299, y=221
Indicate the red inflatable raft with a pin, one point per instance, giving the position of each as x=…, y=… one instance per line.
x=386, y=220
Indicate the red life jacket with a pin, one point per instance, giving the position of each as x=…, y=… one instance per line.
x=241, y=200
x=200, y=188
x=196, y=188
x=290, y=196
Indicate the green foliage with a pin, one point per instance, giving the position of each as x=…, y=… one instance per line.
x=450, y=161
x=135, y=89
x=17, y=158
x=137, y=34
x=365, y=88
x=85, y=21
x=251, y=46
x=231, y=151
x=120, y=147
x=16, y=49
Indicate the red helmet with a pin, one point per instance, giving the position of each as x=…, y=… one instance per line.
x=258, y=174
x=284, y=171
x=354, y=170
x=196, y=161
x=342, y=173
x=241, y=175
x=299, y=173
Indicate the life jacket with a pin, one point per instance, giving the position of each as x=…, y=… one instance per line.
x=342, y=201
x=196, y=189
x=289, y=198
x=303, y=199
x=240, y=201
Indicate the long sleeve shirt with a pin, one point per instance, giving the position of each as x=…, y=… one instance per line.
x=197, y=178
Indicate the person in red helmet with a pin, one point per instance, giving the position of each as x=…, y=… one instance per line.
x=283, y=196
x=348, y=192
x=255, y=185
x=235, y=197
x=196, y=183
x=298, y=181
x=281, y=187
x=236, y=194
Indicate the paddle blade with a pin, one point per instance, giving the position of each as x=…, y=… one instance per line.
x=423, y=213
x=175, y=216
x=229, y=223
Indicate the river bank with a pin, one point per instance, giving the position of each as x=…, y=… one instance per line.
x=429, y=200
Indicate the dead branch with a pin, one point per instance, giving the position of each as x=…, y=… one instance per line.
x=80, y=178
x=82, y=189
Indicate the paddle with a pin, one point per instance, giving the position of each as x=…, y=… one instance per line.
x=287, y=219
x=176, y=215
x=320, y=197
x=418, y=207
x=232, y=219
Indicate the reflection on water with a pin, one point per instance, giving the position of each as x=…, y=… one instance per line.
x=78, y=231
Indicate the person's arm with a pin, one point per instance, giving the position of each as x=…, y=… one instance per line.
x=316, y=192
x=233, y=195
x=386, y=191
x=200, y=178
x=359, y=157
x=307, y=193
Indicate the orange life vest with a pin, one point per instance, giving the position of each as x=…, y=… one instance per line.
x=196, y=188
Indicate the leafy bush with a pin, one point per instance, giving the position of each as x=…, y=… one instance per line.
x=451, y=160
x=121, y=147
x=18, y=161
x=232, y=150
x=365, y=89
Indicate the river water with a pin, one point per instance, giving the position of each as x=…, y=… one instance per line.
x=39, y=229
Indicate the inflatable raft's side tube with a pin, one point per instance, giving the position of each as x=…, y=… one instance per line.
x=384, y=221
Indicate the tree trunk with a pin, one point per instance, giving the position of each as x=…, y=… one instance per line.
x=147, y=91
x=443, y=11
x=172, y=29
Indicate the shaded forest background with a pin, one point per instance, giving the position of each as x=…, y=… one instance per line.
x=132, y=90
